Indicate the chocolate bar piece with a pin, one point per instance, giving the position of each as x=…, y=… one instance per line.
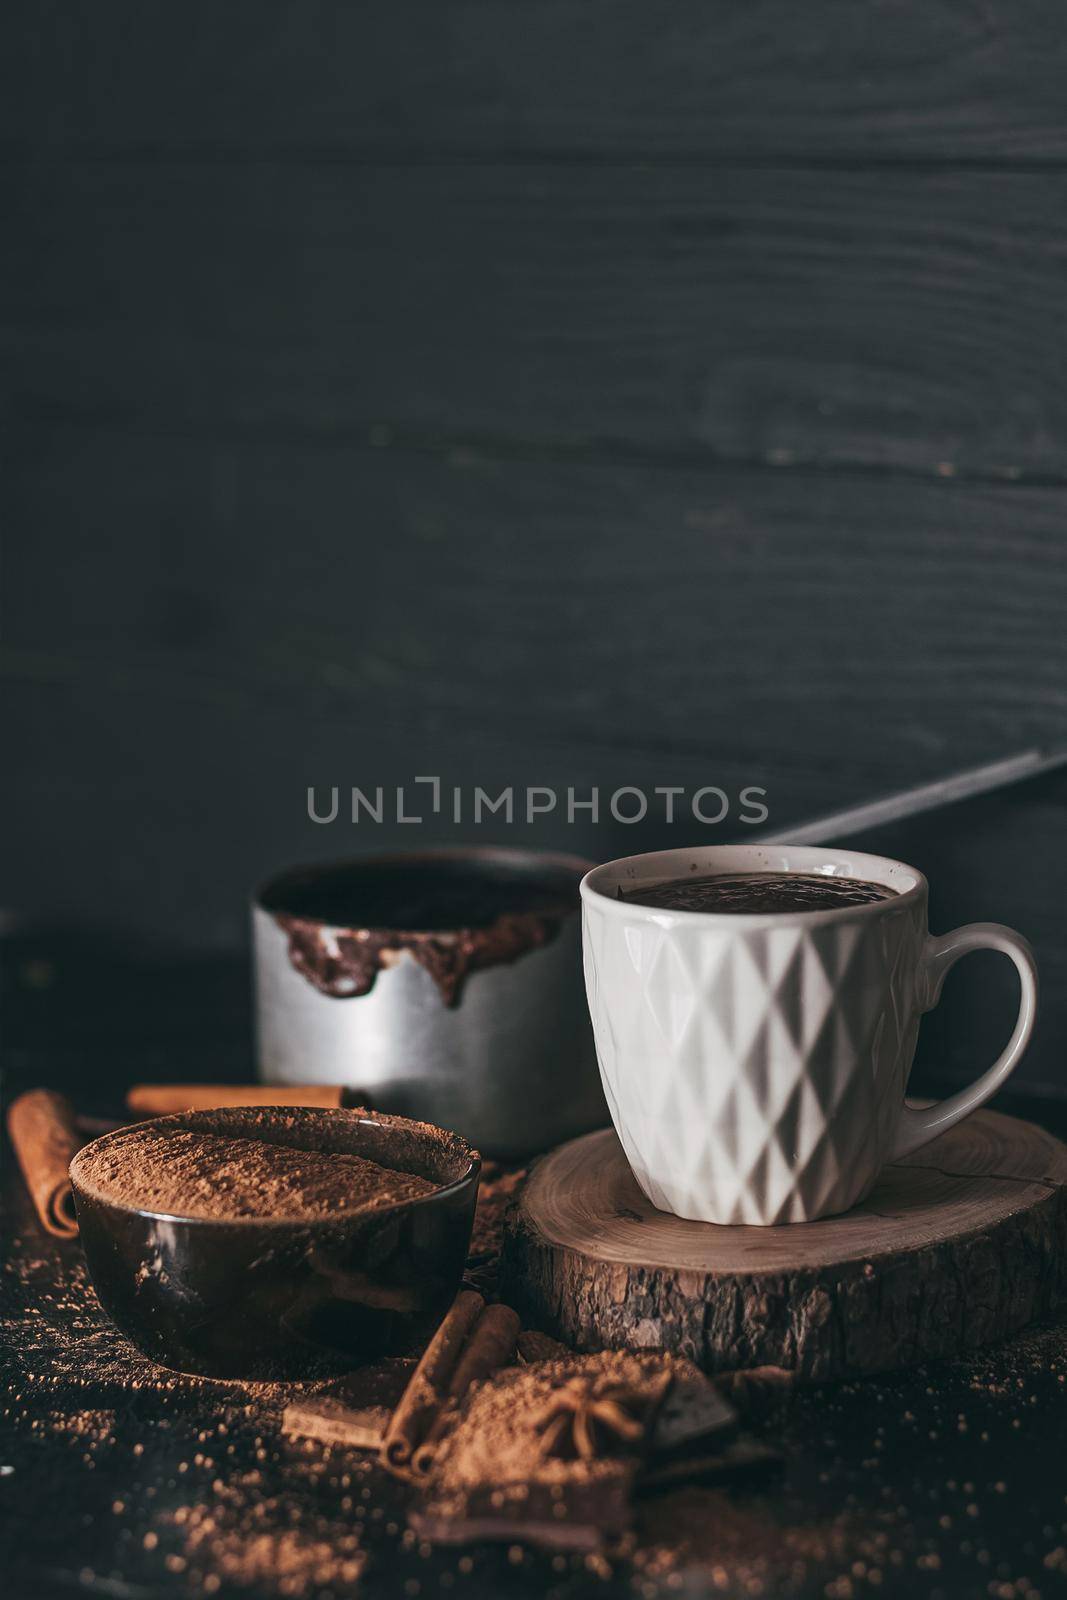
x=579, y=1514
x=741, y=1460
x=757, y=1391
x=547, y=1453
x=693, y=1411
x=353, y=1411
x=332, y=1422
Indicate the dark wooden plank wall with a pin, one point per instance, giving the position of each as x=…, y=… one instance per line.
x=487, y=80
x=873, y=319
x=525, y=392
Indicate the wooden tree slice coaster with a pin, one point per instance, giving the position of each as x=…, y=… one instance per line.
x=963, y=1243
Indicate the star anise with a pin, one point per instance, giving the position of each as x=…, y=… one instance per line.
x=585, y=1420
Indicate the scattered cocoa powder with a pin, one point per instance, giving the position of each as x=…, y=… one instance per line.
x=498, y=1187
x=287, y=1559
x=224, y=1177
x=497, y=1440
x=535, y=1346
x=495, y=1478
x=90, y=1426
x=497, y=1431
x=698, y=1533
x=824, y=1532
x=243, y=1538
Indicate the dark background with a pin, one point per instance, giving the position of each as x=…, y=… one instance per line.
x=523, y=392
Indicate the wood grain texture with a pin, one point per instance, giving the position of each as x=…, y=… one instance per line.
x=961, y=1244
x=803, y=622
x=999, y=858
x=892, y=321
x=526, y=393
x=607, y=79
x=198, y=628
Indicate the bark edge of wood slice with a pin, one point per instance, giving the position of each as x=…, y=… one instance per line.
x=963, y=1243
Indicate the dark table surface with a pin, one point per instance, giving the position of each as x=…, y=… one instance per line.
x=120, y=1478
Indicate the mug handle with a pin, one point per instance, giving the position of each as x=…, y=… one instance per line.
x=920, y=1124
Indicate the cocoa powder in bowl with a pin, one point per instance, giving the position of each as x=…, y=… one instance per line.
x=268, y=1163
x=275, y=1241
x=224, y=1177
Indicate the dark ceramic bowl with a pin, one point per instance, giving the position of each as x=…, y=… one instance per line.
x=286, y=1298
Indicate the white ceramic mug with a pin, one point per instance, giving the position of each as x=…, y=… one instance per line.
x=755, y=1064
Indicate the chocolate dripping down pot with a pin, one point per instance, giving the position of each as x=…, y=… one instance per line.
x=480, y=1029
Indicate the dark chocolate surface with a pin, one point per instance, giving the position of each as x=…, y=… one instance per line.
x=421, y=894
x=749, y=892
x=454, y=917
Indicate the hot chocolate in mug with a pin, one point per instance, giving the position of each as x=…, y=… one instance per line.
x=755, y=1062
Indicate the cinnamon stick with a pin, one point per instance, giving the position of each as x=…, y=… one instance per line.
x=45, y=1138
x=491, y=1345
x=156, y=1099
x=425, y=1394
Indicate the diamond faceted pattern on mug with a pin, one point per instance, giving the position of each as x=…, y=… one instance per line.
x=669, y=993
x=752, y=1061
